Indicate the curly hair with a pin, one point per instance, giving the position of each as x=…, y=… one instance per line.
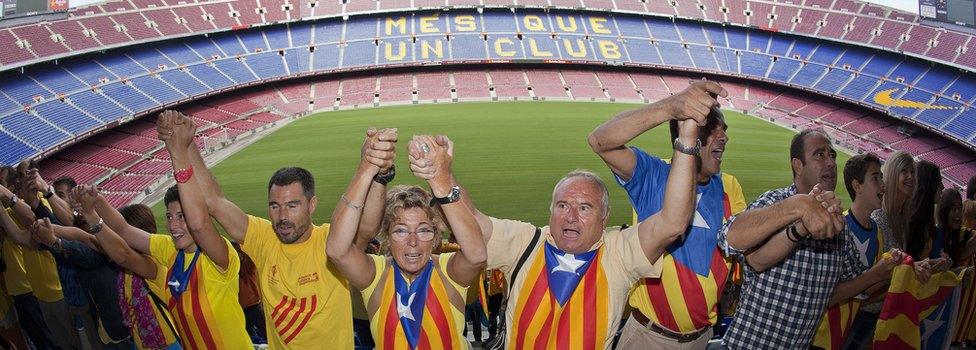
x=406, y=197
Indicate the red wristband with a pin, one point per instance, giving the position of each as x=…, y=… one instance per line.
x=183, y=175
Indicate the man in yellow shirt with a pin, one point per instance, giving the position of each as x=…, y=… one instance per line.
x=303, y=295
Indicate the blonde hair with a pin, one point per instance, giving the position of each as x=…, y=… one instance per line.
x=406, y=197
x=969, y=214
x=897, y=209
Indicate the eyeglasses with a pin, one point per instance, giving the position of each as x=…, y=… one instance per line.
x=425, y=234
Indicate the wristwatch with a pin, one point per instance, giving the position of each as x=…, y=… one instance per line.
x=454, y=196
x=384, y=179
x=13, y=200
x=96, y=228
x=57, y=247
x=680, y=147
x=49, y=193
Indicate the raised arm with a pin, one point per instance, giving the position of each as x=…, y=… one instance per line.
x=659, y=230
x=424, y=168
x=380, y=150
x=195, y=211
x=13, y=231
x=112, y=243
x=609, y=140
x=228, y=214
x=465, y=266
x=59, y=206
x=92, y=201
x=341, y=246
x=21, y=209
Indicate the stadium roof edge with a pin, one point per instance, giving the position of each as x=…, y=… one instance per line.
x=345, y=16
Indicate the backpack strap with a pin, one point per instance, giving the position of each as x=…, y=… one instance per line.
x=161, y=307
x=525, y=256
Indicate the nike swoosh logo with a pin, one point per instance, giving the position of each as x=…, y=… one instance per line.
x=884, y=98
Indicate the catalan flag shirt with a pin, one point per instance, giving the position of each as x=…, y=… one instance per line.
x=438, y=321
x=207, y=315
x=561, y=300
x=685, y=298
x=303, y=295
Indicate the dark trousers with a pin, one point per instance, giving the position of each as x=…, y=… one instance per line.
x=31, y=321
x=494, y=310
x=254, y=319
x=364, y=337
x=861, y=335
x=474, y=314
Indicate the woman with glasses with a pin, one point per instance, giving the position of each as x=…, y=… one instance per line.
x=414, y=299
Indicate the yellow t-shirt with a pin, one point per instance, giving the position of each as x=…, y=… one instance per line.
x=43, y=270
x=623, y=262
x=207, y=315
x=457, y=315
x=43, y=275
x=15, y=277
x=303, y=295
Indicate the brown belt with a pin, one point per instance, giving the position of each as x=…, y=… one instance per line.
x=679, y=337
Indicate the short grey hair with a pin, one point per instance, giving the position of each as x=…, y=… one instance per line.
x=589, y=176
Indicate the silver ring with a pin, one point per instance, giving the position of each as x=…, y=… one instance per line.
x=424, y=147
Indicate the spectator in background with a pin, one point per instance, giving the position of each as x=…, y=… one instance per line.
x=657, y=301
x=40, y=271
x=798, y=255
x=924, y=243
x=865, y=183
x=143, y=311
x=960, y=240
x=250, y=299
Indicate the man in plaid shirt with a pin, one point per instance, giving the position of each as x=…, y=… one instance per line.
x=797, y=251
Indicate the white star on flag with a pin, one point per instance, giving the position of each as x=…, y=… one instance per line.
x=933, y=325
x=568, y=263
x=404, y=310
x=863, y=248
x=699, y=219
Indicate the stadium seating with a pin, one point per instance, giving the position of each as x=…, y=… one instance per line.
x=53, y=106
x=127, y=161
x=137, y=81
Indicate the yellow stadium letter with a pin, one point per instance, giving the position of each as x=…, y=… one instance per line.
x=426, y=48
x=534, y=50
x=465, y=23
x=400, y=23
x=427, y=24
x=609, y=49
x=533, y=23
x=402, y=52
x=499, y=50
x=571, y=27
x=581, y=52
x=599, y=25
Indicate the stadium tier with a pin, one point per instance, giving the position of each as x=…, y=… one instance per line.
x=128, y=160
x=123, y=23
x=50, y=105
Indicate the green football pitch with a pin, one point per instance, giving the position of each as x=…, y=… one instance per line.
x=508, y=155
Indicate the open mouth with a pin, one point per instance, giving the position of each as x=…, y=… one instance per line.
x=177, y=236
x=412, y=257
x=571, y=233
x=717, y=153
